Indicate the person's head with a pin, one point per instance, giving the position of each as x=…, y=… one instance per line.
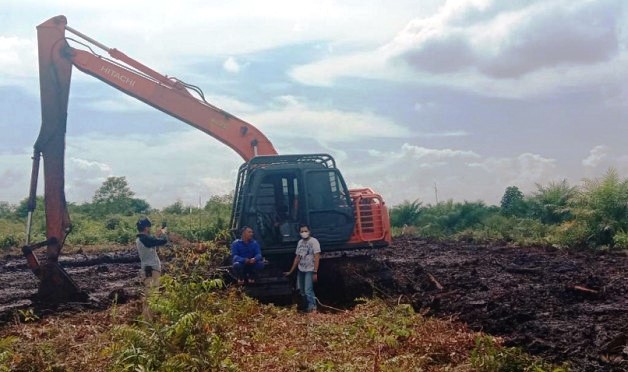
x=304, y=231
x=246, y=233
x=143, y=224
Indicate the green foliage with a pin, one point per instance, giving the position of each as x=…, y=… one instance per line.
x=621, y=240
x=115, y=197
x=207, y=224
x=489, y=356
x=6, y=210
x=189, y=325
x=21, y=211
x=512, y=203
x=6, y=352
x=44, y=357
x=592, y=215
x=220, y=206
x=447, y=218
x=550, y=204
x=406, y=213
x=9, y=241
x=602, y=208
x=176, y=208
x=113, y=189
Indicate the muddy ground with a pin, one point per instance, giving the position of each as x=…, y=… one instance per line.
x=564, y=306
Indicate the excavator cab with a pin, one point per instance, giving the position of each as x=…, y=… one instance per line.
x=275, y=194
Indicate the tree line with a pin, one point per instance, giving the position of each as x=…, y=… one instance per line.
x=593, y=215
x=111, y=215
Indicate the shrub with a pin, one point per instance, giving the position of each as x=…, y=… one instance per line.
x=8, y=241
x=489, y=356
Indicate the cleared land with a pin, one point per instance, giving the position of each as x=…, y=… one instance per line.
x=564, y=306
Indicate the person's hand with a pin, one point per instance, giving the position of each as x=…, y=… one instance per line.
x=315, y=277
x=287, y=273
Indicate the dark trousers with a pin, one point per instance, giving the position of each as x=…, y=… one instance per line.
x=243, y=271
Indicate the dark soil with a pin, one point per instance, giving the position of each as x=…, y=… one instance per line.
x=104, y=277
x=563, y=306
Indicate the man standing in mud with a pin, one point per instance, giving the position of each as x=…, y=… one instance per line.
x=147, y=250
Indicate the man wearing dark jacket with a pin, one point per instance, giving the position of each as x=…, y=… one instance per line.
x=147, y=250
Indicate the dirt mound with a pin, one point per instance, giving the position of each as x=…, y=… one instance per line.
x=564, y=306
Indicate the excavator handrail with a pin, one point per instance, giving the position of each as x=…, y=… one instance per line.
x=366, y=194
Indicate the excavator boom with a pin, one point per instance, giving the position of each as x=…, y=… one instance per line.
x=170, y=95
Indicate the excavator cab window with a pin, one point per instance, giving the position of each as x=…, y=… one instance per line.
x=277, y=208
x=329, y=208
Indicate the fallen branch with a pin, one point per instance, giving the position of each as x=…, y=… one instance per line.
x=584, y=289
x=436, y=283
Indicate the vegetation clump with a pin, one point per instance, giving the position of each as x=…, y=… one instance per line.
x=592, y=216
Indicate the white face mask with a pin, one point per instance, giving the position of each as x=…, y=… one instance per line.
x=305, y=235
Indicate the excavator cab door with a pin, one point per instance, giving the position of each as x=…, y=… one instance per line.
x=273, y=209
x=329, y=208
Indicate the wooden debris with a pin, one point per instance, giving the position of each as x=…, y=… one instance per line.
x=584, y=289
x=436, y=283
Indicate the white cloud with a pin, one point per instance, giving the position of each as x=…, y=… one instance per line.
x=231, y=65
x=494, y=48
x=15, y=176
x=159, y=168
x=18, y=58
x=412, y=172
x=596, y=155
x=509, y=43
x=115, y=102
x=294, y=118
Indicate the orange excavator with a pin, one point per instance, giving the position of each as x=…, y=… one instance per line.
x=273, y=193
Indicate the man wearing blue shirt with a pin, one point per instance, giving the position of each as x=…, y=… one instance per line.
x=247, y=257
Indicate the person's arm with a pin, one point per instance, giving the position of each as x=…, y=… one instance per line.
x=317, y=257
x=151, y=241
x=295, y=263
x=235, y=253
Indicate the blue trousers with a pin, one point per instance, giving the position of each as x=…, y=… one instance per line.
x=243, y=271
x=306, y=288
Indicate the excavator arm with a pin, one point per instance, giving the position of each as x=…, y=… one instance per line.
x=168, y=94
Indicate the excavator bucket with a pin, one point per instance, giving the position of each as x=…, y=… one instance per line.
x=55, y=284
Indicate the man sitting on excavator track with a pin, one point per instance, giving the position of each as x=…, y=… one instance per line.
x=246, y=254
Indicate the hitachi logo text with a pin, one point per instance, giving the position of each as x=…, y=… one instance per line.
x=116, y=75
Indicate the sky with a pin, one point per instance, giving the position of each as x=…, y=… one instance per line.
x=427, y=100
